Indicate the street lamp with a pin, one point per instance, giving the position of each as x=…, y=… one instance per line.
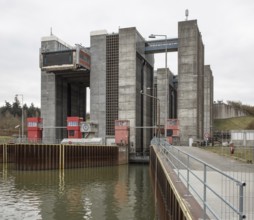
x=22, y=116
x=158, y=109
x=166, y=72
x=18, y=126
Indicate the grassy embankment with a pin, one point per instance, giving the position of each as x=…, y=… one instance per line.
x=5, y=139
x=240, y=123
x=240, y=153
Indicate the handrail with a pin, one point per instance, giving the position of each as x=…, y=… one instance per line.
x=172, y=153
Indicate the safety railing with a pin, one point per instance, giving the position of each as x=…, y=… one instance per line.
x=220, y=195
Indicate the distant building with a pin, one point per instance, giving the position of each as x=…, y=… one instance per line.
x=223, y=111
x=243, y=137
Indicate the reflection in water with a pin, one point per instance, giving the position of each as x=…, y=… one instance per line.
x=122, y=192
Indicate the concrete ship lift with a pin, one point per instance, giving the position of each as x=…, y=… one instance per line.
x=62, y=59
x=65, y=77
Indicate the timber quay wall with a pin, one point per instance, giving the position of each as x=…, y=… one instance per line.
x=49, y=157
x=172, y=198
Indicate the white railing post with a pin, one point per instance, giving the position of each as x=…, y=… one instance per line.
x=241, y=216
x=204, y=195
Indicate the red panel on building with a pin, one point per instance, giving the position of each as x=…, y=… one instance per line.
x=34, y=129
x=73, y=127
x=172, y=130
x=122, y=128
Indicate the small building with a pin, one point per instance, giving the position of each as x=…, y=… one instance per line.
x=242, y=137
x=34, y=129
x=223, y=111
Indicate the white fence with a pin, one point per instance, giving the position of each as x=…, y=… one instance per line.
x=242, y=137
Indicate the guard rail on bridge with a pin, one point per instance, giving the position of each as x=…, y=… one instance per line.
x=202, y=179
x=160, y=46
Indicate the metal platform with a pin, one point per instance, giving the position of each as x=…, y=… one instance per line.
x=160, y=46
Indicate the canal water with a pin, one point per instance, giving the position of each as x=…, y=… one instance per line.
x=119, y=192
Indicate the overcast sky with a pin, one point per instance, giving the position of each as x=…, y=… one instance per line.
x=227, y=29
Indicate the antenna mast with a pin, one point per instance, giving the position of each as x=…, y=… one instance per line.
x=186, y=14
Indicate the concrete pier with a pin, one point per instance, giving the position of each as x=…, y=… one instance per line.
x=190, y=99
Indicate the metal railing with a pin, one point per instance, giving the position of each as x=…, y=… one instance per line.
x=17, y=140
x=202, y=181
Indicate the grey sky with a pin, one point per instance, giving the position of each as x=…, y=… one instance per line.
x=227, y=29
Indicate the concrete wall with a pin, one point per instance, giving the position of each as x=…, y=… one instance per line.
x=190, y=81
x=54, y=105
x=163, y=78
x=48, y=105
x=98, y=83
x=144, y=68
x=208, y=100
x=200, y=94
x=127, y=81
x=61, y=107
x=222, y=111
x=163, y=85
x=135, y=74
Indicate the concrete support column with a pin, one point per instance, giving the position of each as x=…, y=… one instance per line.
x=162, y=87
x=127, y=81
x=190, y=81
x=98, y=82
x=147, y=106
x=48, y=105
x=208, y=100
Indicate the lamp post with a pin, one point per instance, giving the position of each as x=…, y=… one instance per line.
x=18, y=126
x=166, y=81
x=158, y=109
x=22, y=116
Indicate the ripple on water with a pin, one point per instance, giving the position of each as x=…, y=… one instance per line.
x=97, y=193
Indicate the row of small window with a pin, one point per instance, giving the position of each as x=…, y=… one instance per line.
x=112, y=71
x=112, y=108
x=112, y=59
x=112, y=76
x=73, y=123
x=112, y=92
x=114, y=44
x=111, y=81
x=115, y=105
x=32, y=124
x=113, y=87
x=112, y=64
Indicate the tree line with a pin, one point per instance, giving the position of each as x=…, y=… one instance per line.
x=248, y=109
x=11, y=114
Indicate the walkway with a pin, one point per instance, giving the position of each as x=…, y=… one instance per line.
x=223, y=186
x=220, y=162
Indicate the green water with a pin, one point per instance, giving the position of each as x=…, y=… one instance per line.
x=122, y=192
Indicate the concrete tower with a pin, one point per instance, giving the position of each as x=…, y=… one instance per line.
x=64, y=78
x=208, y=101
x=190, y=81
x=120, y=69
x=166, y=93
